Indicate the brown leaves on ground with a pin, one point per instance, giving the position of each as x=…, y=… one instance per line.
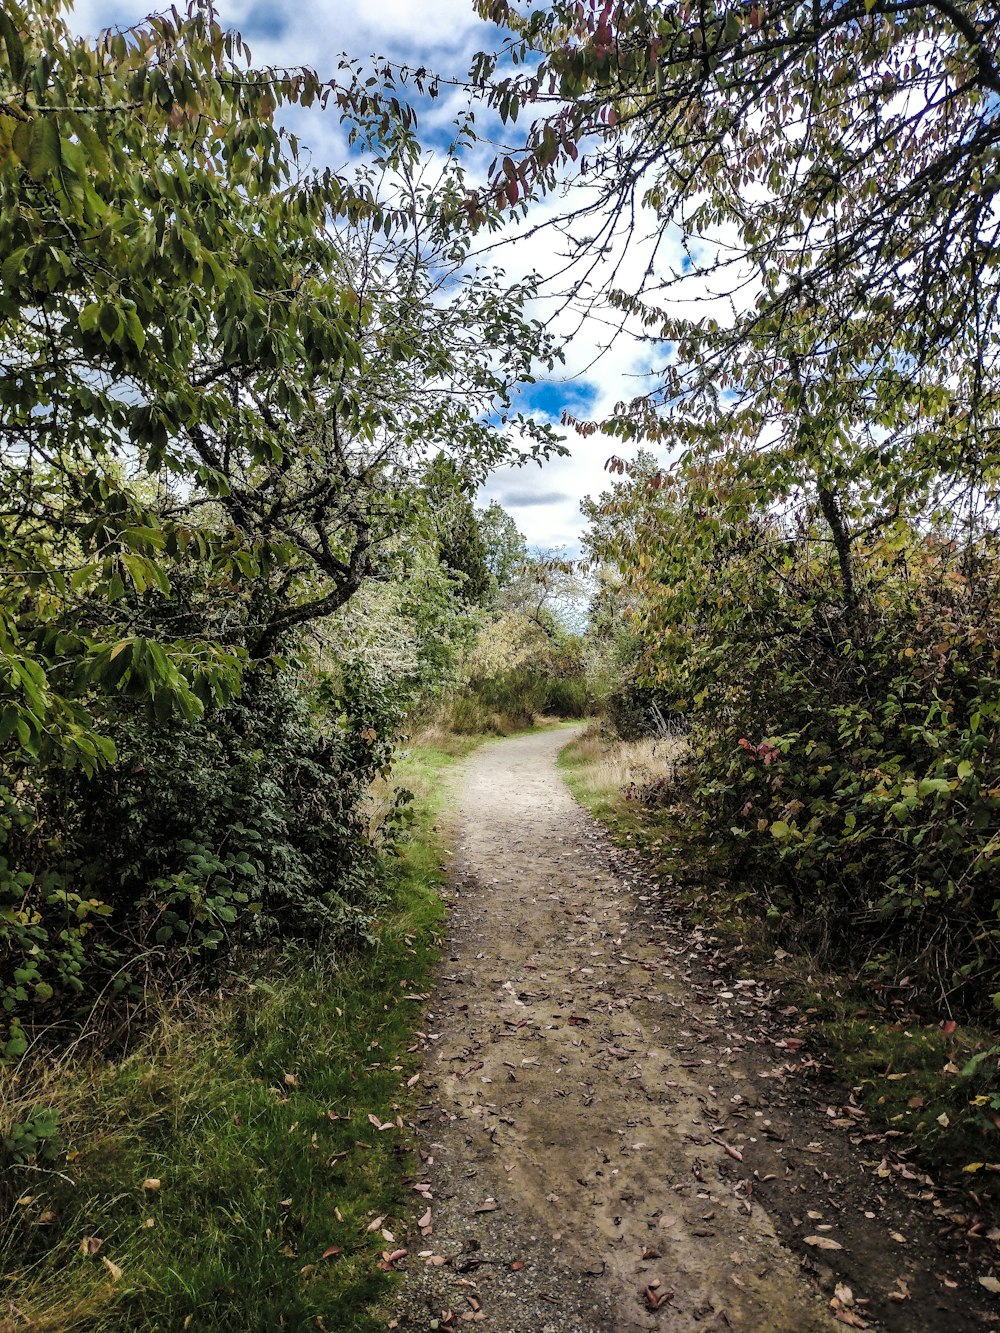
x=654, y=1297
x=822, y=1243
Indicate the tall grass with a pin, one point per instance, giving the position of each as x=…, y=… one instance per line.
x=509, y=701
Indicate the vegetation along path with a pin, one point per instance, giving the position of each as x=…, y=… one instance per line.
x=614, y=1138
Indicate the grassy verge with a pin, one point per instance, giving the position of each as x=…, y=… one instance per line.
x=224, y=1175
x=933, y=1085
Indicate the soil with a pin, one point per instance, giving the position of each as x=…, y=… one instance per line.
x=616, y=1136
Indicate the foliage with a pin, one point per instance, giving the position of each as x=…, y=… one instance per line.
x=233, y=392
x=176, y=306
x=256, y=1095
x=846, y=758
x=809, y=584
x=203, y=836
x=822, y=162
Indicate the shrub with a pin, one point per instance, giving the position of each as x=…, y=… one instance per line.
x=243, y=826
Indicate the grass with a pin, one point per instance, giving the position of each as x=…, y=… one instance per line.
x=215, y=1165
x=909, y=1073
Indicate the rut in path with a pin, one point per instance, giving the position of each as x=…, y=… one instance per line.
x=599, y=1152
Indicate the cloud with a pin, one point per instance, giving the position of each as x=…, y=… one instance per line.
x=519, y=498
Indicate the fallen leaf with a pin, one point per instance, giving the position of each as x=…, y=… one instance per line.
x=374, y=1226
x=516, y=1266
x=991, y=1284
x=291, y=1080
x=848, y=1317
x=151, y=1183
x=113, y=1269
x=654, y=1298
x=822, y=1243
x=425, y=1221
x=330, y=1251
x=90, y=1245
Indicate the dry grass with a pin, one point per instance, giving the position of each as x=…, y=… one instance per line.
x=607, y=766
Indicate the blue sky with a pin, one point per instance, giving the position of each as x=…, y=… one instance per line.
x=444, y=37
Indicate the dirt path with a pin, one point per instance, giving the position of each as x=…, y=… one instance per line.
x=612, y=1139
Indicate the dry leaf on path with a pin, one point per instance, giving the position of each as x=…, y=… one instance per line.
x=822, y=1243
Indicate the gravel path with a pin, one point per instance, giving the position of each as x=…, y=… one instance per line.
x=598, y=1154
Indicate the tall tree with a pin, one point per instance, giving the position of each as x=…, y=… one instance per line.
x=270, y=348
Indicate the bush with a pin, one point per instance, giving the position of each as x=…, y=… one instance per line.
x=243, y=826
x=512, y=701
x=851, y=763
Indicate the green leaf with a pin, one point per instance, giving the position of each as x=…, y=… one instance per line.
x=15, y=47
x=110, y=323
x=44, y=152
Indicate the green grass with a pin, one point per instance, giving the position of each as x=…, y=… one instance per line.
x=908, y=1071
x=251, y=1110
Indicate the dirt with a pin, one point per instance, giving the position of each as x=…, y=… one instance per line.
x=616, y=1136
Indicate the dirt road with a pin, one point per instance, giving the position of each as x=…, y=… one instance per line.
x=613, y=1138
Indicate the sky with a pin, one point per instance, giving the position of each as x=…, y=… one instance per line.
x=444, y=37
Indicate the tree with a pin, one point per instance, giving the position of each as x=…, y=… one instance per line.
x=829, y=170
x=506, y=548
x=270, y=349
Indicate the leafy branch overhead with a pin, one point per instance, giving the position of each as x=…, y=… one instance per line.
x=827, y=171
x=270, y=347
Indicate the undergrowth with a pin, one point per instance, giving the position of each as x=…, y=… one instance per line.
x=223, y=1174
x=930, y=1082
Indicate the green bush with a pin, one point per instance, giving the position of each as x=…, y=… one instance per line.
x=243, y=826
x=851, y=763
x=512, y=700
